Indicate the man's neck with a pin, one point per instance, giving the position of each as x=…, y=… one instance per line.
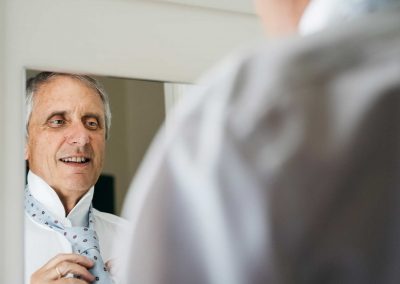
x=57, y=201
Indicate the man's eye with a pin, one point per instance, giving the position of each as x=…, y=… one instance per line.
x=56, y=122
x=92, y=124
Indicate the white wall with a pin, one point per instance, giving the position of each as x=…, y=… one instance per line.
x=11, y=159
x=137, y=108
x=136, y=39
x=2, y=132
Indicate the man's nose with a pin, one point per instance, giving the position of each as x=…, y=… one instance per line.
x=77, y=135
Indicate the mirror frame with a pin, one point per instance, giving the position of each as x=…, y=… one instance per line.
x=238, y=6
x=42, y=35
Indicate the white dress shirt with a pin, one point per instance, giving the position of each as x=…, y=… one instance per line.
x=283, y=168
x=42, y=243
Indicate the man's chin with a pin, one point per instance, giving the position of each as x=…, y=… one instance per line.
x=78, y=184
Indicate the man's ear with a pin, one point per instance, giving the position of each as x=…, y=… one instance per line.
x=26, y=152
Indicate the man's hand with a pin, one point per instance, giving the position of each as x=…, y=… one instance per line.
x=61, y=265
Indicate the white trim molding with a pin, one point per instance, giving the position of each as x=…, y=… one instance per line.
x=237, y=6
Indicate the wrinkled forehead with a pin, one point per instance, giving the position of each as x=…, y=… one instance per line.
x=66, y=93
x=63, y=86
x=61, y=80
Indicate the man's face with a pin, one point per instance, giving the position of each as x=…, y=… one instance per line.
x=66, y=140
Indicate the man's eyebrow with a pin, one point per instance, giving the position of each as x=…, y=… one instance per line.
x=55, y=113
x=92, y=115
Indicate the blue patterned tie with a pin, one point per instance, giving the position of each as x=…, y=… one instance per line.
x=84, y=240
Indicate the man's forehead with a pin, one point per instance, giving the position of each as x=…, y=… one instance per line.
x=60, y=82
x=65, y=94
x=64, y=87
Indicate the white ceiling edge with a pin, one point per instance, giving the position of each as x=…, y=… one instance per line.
x=238, y=6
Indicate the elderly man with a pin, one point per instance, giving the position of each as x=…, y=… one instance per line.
x=285, y=167
x=68, y=120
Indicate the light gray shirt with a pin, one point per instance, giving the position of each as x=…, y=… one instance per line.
x=283, y=168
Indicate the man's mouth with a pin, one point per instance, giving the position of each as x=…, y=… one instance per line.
x=76, y=160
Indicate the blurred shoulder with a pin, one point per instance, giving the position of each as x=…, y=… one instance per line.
x=303, y=60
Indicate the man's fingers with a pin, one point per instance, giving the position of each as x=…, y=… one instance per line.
x=109, y=264
x=67, y=267
x=60, y=266
x=72, y=281
x=70, y=257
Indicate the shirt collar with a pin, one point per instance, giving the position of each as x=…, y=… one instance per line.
x=49, y=198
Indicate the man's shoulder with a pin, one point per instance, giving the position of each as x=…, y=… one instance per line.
x=295, y=62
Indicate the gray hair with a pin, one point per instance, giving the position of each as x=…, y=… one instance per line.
x=33, y=84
